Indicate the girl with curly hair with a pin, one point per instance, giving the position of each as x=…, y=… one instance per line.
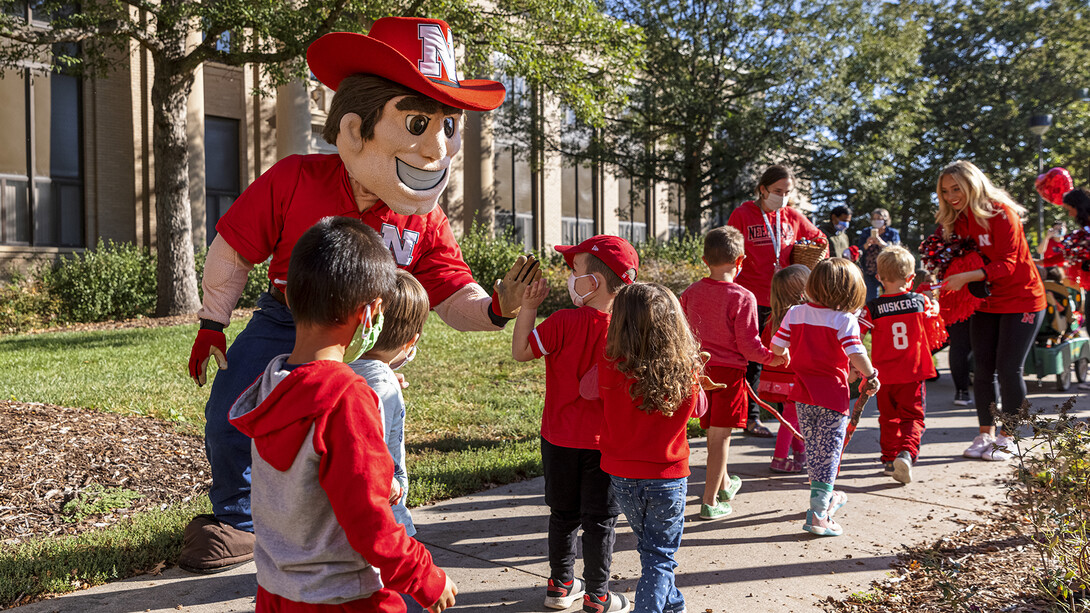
x=650, y=383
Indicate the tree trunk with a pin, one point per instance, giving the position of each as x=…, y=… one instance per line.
x=175, y=272
x=691, y=182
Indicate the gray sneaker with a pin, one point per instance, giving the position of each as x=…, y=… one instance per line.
x=902, y=468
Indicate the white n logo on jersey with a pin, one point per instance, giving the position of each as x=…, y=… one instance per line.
x=437, y=53
x=985, y=240
x=402, y=248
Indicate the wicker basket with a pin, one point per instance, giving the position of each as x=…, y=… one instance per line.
x=808, y=255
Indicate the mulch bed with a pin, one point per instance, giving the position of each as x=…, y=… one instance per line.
x=50, y=456
x=987, y=565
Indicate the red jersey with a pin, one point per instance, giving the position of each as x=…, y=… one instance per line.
x=276, y=209
x=1016, y=286
x=822, y=339
x=571, y=340
x=637, y=444
x=899, y=344
x=723, y=316
x=759, y=230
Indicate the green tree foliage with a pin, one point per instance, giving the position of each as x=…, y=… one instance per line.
x=543, y=39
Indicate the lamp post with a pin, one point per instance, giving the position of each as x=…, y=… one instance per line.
x=1038, y=125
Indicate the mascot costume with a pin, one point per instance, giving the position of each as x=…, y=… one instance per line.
x=396, y=119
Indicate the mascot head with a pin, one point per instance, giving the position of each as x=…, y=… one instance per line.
x=396, y=116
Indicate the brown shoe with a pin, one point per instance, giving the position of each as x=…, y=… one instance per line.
x=211, y=546
x=756, y=428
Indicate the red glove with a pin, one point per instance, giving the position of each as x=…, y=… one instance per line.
x=210, y=342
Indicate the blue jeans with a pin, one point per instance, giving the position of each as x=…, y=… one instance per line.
x=655, y=509
x=271, y=332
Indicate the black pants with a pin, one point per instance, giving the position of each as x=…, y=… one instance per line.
x=958, y=357
x=578, y=493
x=753, y=369
x=1001, y=342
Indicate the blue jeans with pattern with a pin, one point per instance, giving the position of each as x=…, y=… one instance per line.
x=655, y=509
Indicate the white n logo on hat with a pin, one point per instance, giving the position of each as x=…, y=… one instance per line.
x=436, y=54
x=401, y=248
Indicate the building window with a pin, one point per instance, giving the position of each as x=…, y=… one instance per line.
x=43, y=119
x=632, y=209
x=221, y=169
x=577, y=203
x=514, y=210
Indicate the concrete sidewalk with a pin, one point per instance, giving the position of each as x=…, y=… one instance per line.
x=493, y=544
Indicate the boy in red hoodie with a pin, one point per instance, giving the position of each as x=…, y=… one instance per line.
x=723, y=317
x=326, y=537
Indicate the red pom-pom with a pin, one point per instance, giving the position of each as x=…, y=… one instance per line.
x=853, y=251
x=935, y=328
x=960, y=305
x=1054, y=184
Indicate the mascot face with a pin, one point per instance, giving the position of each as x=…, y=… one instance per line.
x=407, y=162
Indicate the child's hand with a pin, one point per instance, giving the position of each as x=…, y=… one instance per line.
x=869, y=387
x=781, y=360
x=446, y=600
x=535, y=294
x=853, y=375
x=401, y=380
x=395, y=492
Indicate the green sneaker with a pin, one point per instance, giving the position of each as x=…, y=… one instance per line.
x=720, y=510
x=732, y=489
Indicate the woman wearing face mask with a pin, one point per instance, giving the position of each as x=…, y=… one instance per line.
x=770, y=227
x=871, y=242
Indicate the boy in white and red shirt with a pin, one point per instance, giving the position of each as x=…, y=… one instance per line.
x=723, y=317
x=901, y=350
x=577, y=490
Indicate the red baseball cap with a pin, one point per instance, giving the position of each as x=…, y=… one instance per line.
x=613, y=250
x=417, y=53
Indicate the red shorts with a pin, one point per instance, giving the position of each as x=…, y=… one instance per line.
x=727, y=407
x=382, y=601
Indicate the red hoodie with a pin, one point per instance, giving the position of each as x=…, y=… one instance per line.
x=759, y=265
x=320, y=485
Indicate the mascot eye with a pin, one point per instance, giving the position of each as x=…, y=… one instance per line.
x=448, y=126
x=416, y=124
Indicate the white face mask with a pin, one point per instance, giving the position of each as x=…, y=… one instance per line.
x=408, y=358
x=878, y=223
x=774, y=202
x=576, y=299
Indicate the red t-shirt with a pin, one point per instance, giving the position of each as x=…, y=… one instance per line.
x=723, y=316
x=276, y=209
x=899, y=344
x=571, y=340
x=1016, y=286
x=760, y=262
x=636, y=444
x=822, y=339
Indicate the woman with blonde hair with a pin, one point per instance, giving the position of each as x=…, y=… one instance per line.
x=971, y=206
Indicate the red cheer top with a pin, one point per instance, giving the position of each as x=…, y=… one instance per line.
x=761, y=233
x=636, y=444
x=283, y=203
x=1015, y=284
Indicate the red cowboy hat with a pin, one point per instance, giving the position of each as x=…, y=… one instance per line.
x=417, y=53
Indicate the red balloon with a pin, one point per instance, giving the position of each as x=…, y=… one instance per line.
x=1054, y=184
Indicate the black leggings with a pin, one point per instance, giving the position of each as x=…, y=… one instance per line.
x=958, y=356
x=753, y=369
x=1001, y=342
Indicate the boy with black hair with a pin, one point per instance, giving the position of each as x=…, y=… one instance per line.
x=321, y=474
x=577, y=490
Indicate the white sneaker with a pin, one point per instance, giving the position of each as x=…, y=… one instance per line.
x=1001, y=450
x=982, y=442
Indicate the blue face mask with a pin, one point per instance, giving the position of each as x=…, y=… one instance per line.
x=841, y=226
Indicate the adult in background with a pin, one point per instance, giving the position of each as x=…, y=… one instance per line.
x=871, y=242
x=769, y=227
x=1004, y=325
x=396, y=119
x=836, y=230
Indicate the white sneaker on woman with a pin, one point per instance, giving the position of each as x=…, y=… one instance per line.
x=1000, y=450
x=982, y=442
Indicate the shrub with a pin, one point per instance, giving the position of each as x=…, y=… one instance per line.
x=112, y=281
x=25, y=305
x=489, y=257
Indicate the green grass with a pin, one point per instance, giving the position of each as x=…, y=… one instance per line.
x=473, y=419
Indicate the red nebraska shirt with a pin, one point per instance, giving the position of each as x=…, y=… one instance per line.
x=636, y=444
x=820, y=340
x=760, y=262
x=723, y=316
x=899, y=342
x=571, y=340
x=1016, y=286
x=276, y=209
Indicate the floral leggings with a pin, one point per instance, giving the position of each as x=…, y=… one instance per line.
x=824, y=430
